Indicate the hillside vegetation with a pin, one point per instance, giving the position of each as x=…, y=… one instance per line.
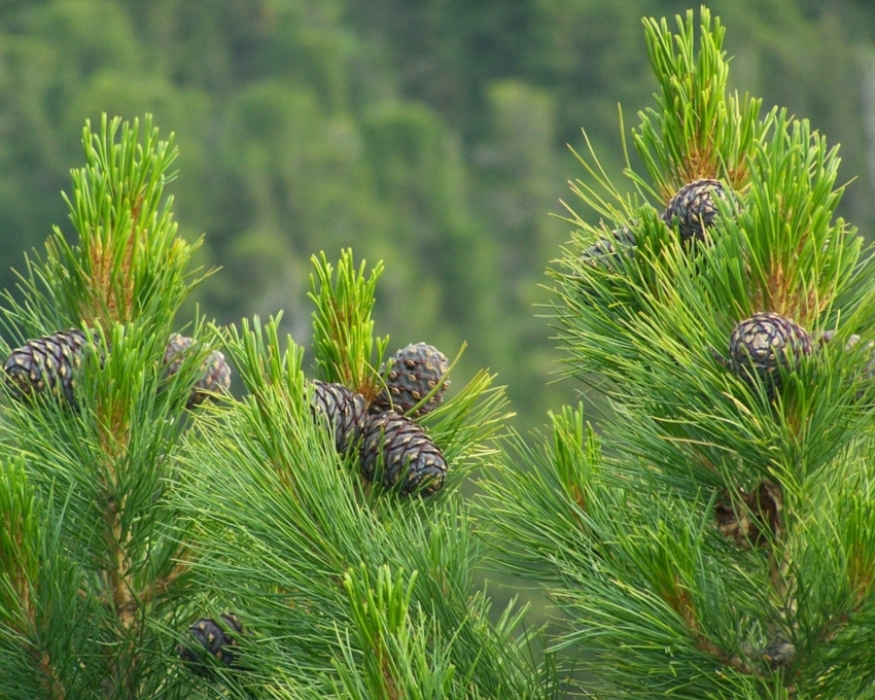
x=431, y=134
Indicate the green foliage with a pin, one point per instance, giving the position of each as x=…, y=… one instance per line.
x=715, y=548
x=699, y=130
x=343, y=332
x=288, y=534
x=97, y=571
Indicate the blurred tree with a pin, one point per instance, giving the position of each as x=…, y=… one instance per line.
x=421, y=132
x=516, y=169
x=419, y=173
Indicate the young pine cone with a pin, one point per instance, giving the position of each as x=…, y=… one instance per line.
x=762, y=344
x=405, y=452
x=344, y=409
x=215, y=375
x=693, y=209
x=413, y=374
x=46, y=365
x=212, y=639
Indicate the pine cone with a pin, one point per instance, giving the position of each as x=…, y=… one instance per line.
x=216, y=376
x=764, y=342
x=757, y=520
x=606, y=251
x=213, y=640
x=779, y=654
x=46, y=364
x=693, y=208
x=344, y=409
x=414, y=372
x=405, y=452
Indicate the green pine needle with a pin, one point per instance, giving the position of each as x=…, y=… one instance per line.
x=344, y=346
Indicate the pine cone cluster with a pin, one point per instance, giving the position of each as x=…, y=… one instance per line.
x=396, y=450
x=692, y=210
x=393, y=449
x=49, y=364
x=213, y=639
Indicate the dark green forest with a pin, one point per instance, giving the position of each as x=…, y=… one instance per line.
x=431, y=134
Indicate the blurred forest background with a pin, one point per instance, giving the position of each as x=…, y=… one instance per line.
x=431, y=134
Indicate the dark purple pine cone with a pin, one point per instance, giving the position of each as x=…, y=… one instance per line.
x=213, y=639
x=693, y=208
x=779, y=654
x=607, y=250
x=413, y=373
x=46, y=364
x=759, y=345
x=215, y=377
x=344, y=409
x=405, y=452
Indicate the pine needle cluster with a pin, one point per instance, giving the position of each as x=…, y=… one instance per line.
x=155, y=545
x=90, y=561
x=349, y=590
x=713, y=542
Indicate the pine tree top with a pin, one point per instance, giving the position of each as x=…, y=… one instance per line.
x=713, y=542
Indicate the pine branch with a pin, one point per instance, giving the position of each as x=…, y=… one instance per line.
x=97, y=413
x=44, y=623
x=314, y=541
x=343, y=342
x=128, y=263
x=716, y=534
x=699, y=131
x=400, y=661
